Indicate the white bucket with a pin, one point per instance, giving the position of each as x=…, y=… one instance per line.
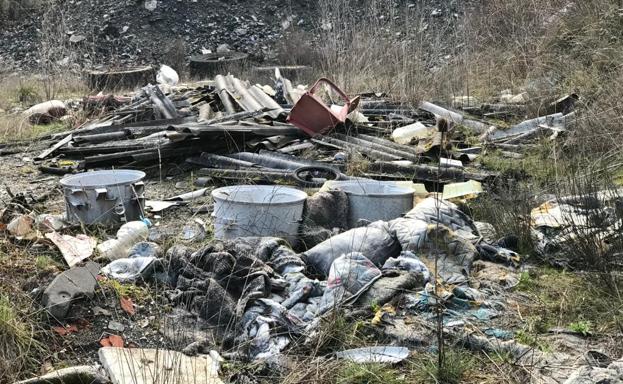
x=258, y=210
x=374, y=200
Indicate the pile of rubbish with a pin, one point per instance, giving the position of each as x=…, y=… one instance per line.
x=261, y=294
x=236, y=130
x=131, y=32
x=564, y=227
x=359, y=206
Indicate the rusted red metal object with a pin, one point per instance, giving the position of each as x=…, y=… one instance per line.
x=313, y=116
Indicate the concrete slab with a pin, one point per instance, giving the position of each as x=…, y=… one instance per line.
x=156, y=366
x=73, y=284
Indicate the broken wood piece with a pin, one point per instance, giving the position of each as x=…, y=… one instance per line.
x=53, y=148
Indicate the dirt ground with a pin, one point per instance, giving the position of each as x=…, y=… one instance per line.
x=30, y=266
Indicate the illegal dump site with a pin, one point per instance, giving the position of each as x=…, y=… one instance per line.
x=282, y=204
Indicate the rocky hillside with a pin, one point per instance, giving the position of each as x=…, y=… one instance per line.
x=116, y=33
x=122, y=32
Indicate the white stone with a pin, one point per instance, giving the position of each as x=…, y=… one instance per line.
x=151, y=5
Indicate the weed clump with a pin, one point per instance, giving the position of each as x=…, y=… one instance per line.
x=582, y=303
x=355, y=373
x=18, y=346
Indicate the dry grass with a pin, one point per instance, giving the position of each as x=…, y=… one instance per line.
x=420, y=368
x=21, y=92
x=387, y=55
x=18, y=346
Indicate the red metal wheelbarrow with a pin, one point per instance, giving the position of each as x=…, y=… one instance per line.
x=313, y=116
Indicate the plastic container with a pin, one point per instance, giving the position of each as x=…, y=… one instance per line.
x=258, y=210
x=408, y=133
x=127, y=236
x=374, y=200
x=109, y=197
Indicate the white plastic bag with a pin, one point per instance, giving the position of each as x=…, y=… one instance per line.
x=167, y=75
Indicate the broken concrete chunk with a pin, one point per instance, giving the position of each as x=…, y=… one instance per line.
x=116, y=326
x=70, y=285
x=153, y=366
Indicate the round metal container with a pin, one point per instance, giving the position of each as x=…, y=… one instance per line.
x=108, y=197
x=374, y=200
x=258, y=210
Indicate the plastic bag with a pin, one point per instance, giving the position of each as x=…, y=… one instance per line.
x=129, y=269
x=407, y=261
x=352, y=271
x=167, y=75
x=348, y=275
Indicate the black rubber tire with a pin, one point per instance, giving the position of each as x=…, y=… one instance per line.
x=296, y=174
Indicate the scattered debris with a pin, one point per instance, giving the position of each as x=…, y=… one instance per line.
x=45, y=113
x=557, y=223
x=411, y=133
x=594, y=374
x=131, y=269
x=167, y=76
x=73, y=248
x=22, y=228
x=467, y=190
x=312, y=115
x=127, y=236
x=127, y=305
x=112, y=341
x=116, y=326
x=364, y=231
x=64, y=331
